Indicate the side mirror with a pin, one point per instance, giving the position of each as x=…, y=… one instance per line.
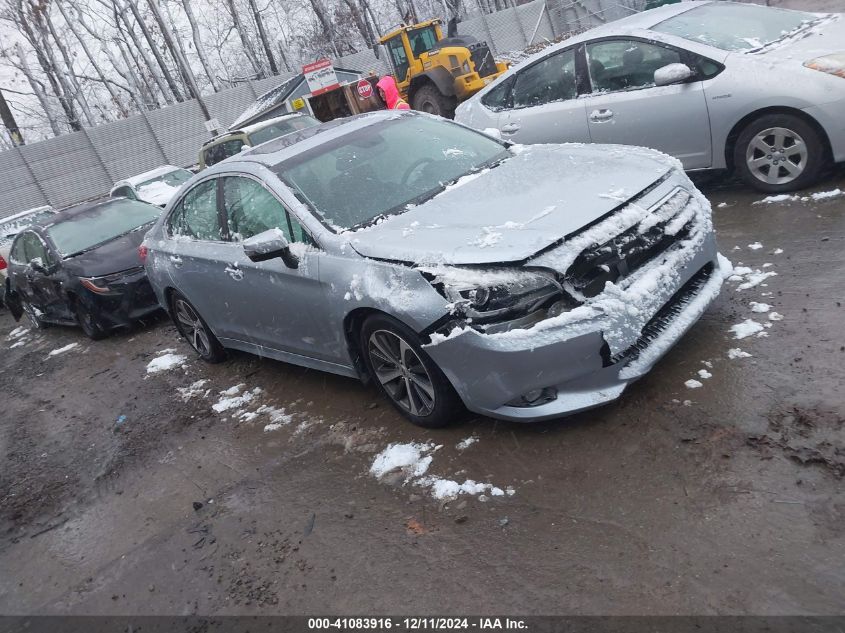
x=38, y=266
x=671, y=74
x=268, y=245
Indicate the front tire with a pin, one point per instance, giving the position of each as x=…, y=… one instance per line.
x=31, y=312
x=88, y=322
x=195, y=330
x=429, y=99
x=779, y=152
x=404, y=373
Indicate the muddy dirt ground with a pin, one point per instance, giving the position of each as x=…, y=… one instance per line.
x=726, y=498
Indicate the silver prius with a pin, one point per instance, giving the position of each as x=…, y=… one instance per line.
x=718, y=85
x=450, y=268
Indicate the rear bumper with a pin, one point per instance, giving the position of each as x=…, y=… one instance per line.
x=830, y=117
x=586, y=364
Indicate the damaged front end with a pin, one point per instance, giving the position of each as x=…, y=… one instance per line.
x=573, y=325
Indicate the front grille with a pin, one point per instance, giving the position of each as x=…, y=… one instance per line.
x=618, y=257
x=482, y=59
x=660, y=321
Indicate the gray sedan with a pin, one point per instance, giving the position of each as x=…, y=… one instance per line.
x=446, y=266
x=718, y=85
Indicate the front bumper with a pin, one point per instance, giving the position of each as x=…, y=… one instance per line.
x=132, y=298
x=829, y=116
x=588, y=361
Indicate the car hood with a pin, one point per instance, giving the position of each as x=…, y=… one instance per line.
x=822, y=39
x=508, y=213
x=114, y=256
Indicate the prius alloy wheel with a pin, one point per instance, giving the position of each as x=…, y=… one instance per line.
x=406, y=375
x=779, y=152
x=196, y=332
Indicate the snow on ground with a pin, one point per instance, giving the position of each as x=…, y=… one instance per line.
x=20, y=343
x=759, y=307
x=722, y=205
x=18, y=332
x=736, y=352
x=412, y=461
x=783, y=197
x=755, y=246
x=747, y=328
x=62, y=350
x=704, y=374
x=777, y=251
x=166, y=360
x=232, y=398
x=750, y=278
x=194, y=389
x=824, y=195
x=693, y=384
x=466, y=443
x=775, y=316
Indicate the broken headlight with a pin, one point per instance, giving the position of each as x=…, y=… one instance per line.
x=485, y=295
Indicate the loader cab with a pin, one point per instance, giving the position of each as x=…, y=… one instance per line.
x=406, y=44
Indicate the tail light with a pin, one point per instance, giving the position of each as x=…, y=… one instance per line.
x=3, y=264
x=143, y=251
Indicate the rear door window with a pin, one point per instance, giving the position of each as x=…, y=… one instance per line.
x=195, y=216
x=552, y=79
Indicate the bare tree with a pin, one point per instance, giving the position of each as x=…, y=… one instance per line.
x=262, y=35
x=195, y=33
x=165, y=71
x=38, y=90
x=247, y=46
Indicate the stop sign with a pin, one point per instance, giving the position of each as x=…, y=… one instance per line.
x=365, y=89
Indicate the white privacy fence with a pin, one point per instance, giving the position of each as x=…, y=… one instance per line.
x=84, y=165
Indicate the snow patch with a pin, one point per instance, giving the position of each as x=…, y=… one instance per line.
x=735, y=353
x=466, y=443
x=62, y=350
x=775, y=316
x=825, y=195
x=166, y=361
x=747, y=328
x=704, y=374
x=229, y=400
x=783, y=197
x=759, y=307
x=693, y=384
x=755, y=246
x=193, y=390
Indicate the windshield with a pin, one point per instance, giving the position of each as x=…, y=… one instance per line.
x=380, y=169
x=735, y=27
x=280, y=128
x=100, y=224
x=10, y=228
x=174, y=178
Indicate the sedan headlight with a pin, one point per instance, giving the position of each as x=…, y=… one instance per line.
x=833, y=64
x=491, y=295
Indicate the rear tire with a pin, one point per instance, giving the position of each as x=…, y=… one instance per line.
x=194, y=329
x=429, y=99
x=779, y=152
x=404, y=373
x=88, y=322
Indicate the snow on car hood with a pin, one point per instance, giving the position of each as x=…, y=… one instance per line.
x=508, y=213
x=822, y=39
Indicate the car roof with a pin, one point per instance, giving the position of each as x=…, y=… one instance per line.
x=25, y=214
x=249, y=129
x=281, y=149
x=136, y=180
x=79, y=210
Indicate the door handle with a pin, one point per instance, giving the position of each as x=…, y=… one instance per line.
x=234, y=272
x=601, y=115
x=176, y=260
x=511, y=128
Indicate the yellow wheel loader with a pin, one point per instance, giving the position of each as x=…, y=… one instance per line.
x=434, y=74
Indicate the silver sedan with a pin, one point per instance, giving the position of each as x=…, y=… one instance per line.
x=718, y=85
x=444, y=265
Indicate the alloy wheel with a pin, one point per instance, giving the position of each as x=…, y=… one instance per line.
x=777, y=155
x=401, y=372
x=192, y=327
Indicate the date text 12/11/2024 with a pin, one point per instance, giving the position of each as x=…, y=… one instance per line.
x=416, y=624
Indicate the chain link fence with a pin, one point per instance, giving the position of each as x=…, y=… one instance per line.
x=83, y=165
